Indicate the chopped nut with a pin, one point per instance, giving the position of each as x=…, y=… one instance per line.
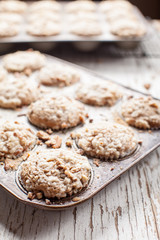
x=73, y=135
x=69, y=143
x=27, y=71
x=80, y=151
x=48, y=202
x=147, y=86
x=112, y=168
x=121, y=168
x=84, y=178
x=90, y=120
x=76, y=199
x=154, y=105
x=98, y=176
x=39, y=142
x=39, y=195
x=87, y=116
x=140, y=141
x=49, y=131
x=10, y=164
x=96, y=162
x=82, y=119
x=43, y=135
x=54, y=142
x=31, y=196
x=129, y=97
x=64, y=125
x=1, y=163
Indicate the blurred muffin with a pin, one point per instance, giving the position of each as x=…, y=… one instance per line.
x=22, y=60
x=142, y=112
x=15, y=139
x=58, y=75
x=13, y=6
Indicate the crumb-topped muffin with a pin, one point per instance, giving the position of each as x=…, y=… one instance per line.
x=47, y=15
x=58, y=75
x=99, y=93
x=109, y=5
x=11, y=17
x=106, y=140
x=8, y=28
x=80, y=6
x=142, y=112
x=22, y=60
x=56, y=112
x=51, y=6
x=17, y=93
x=43, y=27
x=86, y=28
x=13, y=6
x=55, y=173
x=15, y=139
x=127, y=28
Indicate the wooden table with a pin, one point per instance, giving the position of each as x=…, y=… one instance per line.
x=129, y=208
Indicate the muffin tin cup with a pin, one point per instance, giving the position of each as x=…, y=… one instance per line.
x=101, y=175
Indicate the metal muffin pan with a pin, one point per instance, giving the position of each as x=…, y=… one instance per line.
x=66, y=36
x=107, y=170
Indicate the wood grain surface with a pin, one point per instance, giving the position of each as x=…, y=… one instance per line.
x=129, y=208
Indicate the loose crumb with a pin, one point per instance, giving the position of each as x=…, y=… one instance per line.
x=147, y=86
x=96, y=162
x=31, y=196
x=48, y=202
x=112, y=168
x=49, y=131
x=140, y=141
x=69, y=143
x=39, y=195
x=54, y=142
x=43, y=135
x=39, y=142
x=73, y=135
x=90, y=120
x=80, y=151
x=76, y=199
x=27, y=72
x=140, y=131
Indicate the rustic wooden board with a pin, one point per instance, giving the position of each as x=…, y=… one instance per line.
x=102, y=175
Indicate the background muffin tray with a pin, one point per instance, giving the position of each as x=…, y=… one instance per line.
x=66, y=36
x=103, y=174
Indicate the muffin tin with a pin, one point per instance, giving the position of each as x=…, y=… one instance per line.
x=65, y=36
x=101, y=175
